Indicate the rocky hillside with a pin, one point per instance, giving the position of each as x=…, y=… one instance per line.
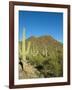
x=45, y=56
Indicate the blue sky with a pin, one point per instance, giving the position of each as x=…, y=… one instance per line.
x=41, y=23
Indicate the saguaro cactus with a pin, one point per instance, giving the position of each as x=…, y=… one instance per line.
x=23, y=51
x=23, y=46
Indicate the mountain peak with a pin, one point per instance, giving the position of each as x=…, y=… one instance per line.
x=46, y=36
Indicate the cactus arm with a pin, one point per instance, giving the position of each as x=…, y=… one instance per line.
x=28, y=48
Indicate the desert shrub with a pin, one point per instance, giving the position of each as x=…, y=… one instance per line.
x=48, y=66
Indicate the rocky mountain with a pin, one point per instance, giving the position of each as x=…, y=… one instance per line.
x=45, y=55
x=44, y=45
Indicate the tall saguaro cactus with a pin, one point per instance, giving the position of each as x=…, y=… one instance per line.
x=23, y=51
x=23, y=46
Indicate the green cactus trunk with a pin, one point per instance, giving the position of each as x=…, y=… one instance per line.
x=23, y=47
x=24, y=52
